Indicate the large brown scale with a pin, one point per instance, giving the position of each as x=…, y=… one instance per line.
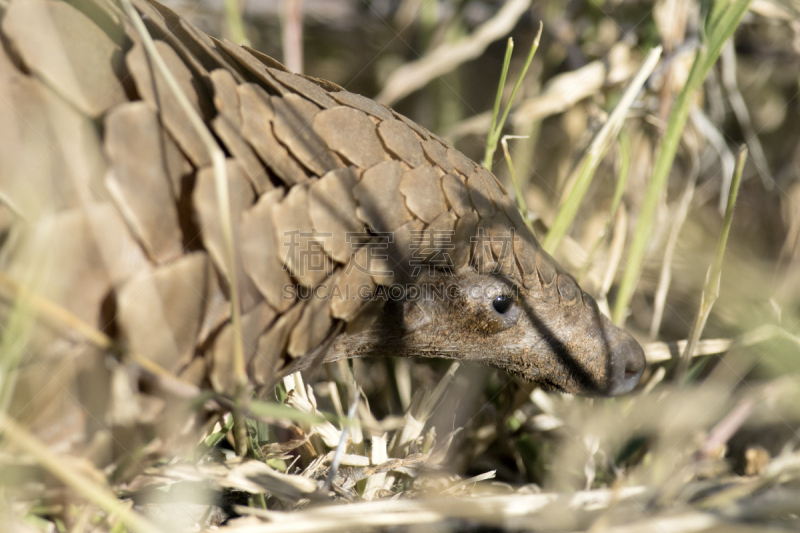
x=109, y=210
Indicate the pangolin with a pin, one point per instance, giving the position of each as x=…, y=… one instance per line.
x=356, y=231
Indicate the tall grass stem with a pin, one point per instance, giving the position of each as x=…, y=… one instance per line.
x=711, y=288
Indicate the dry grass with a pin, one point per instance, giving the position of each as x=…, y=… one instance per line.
x=711, y=446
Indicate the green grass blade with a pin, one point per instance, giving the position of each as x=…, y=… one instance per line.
x=496, y=128
x=490, y=144
x=523, y=207
x=278, y=411
x=518, y=84
x=212, y=440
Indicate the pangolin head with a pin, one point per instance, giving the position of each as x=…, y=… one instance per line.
x=521, y=313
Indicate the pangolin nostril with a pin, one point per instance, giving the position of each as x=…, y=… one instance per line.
x=628, y=363
x=636, y=361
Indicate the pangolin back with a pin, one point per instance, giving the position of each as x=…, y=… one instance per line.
x=111, y=213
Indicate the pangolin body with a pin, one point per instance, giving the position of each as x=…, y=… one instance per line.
x=342, y=209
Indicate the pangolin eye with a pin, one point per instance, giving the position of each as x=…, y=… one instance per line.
x=503, y=303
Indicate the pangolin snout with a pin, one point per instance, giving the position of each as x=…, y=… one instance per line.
x=627, y=359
